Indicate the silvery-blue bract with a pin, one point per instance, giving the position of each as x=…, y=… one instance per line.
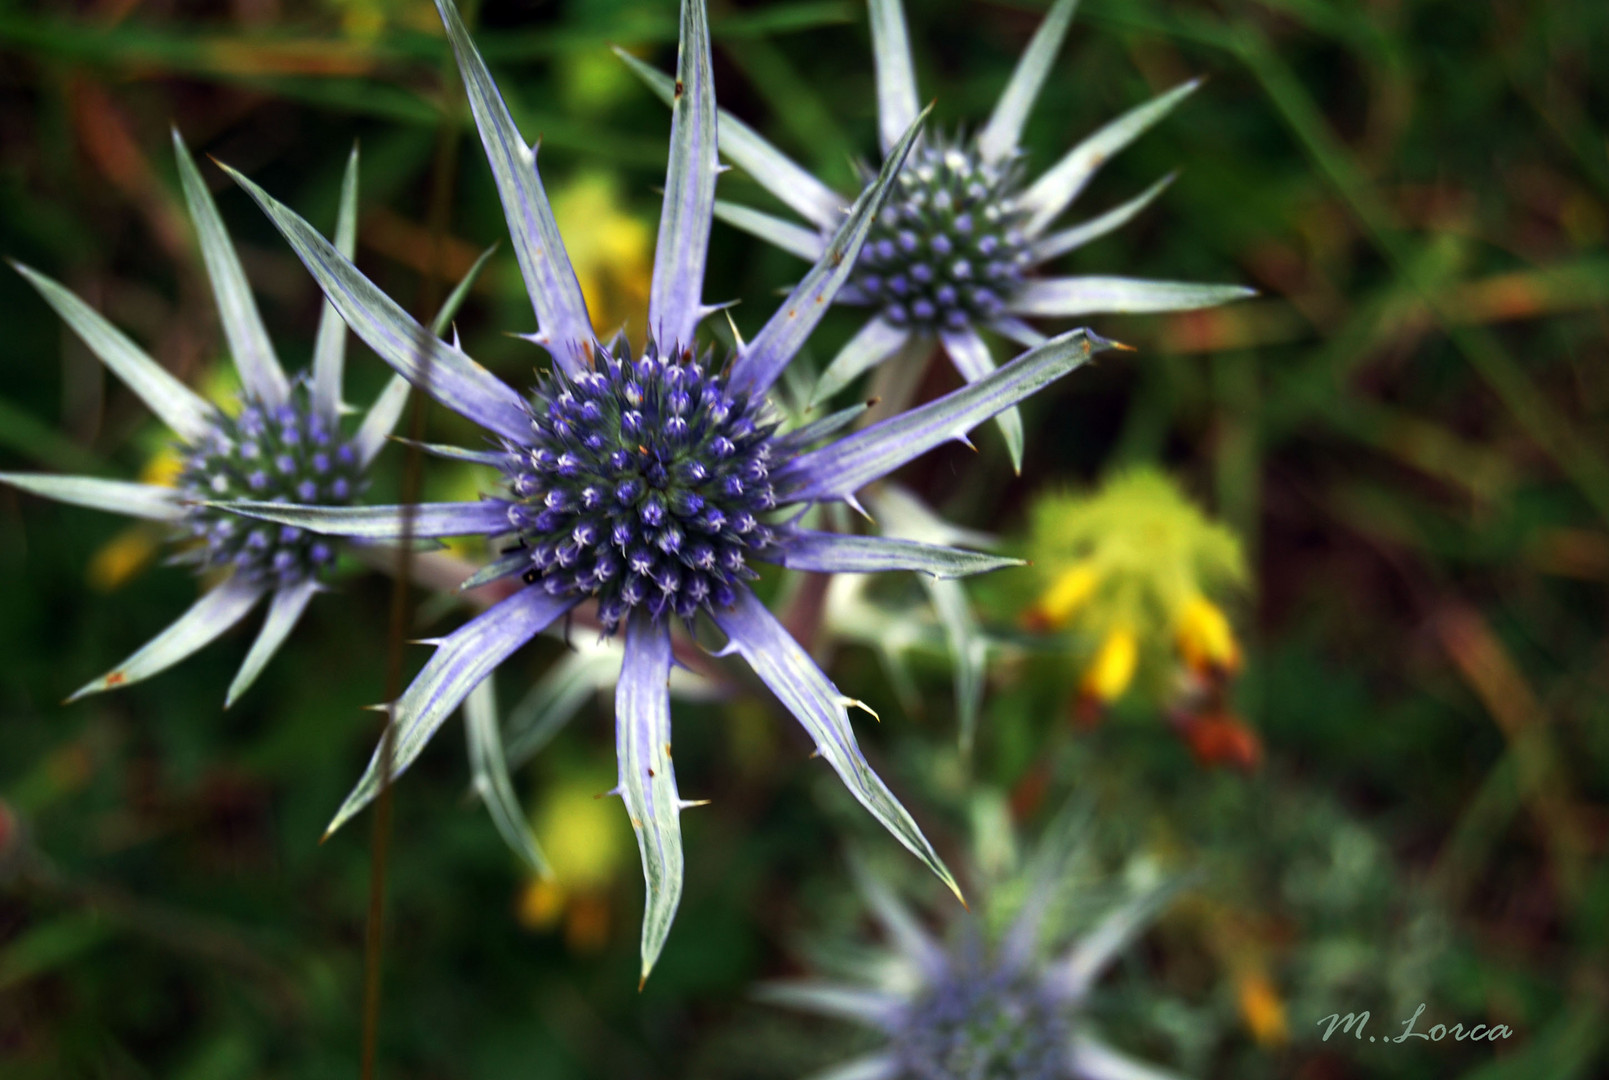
x=284, y=443
x=648, y=483
x=957, y=245
x=970, y=1011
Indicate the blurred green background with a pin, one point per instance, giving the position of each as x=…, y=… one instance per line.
x=1408, y=430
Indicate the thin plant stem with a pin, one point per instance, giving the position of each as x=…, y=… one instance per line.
x=441, y=188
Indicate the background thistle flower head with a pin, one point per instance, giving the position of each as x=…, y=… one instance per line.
x=279, y=439
x=1002, y=994
x=948, y=250
x=958, y=250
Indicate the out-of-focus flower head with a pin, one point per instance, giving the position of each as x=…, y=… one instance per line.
x=1004, y=995
x=611, y=250
x=1138, y=575
x=957, y=249
x=280, y=438
x=586, y=849
x=646, y=483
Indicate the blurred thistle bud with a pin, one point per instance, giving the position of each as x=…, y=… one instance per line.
x=1007, y=992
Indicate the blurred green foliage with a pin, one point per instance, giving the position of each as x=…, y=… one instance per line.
x=1407, y=431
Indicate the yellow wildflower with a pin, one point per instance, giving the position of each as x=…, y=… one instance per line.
x=610, y=249
x=163, y=468
x=586, y=845
x=132, y=550
x=1131, y=568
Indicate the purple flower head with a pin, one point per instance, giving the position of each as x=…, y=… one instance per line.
x=283, y=444
x=959, y=248
x=919, y=269
x=215, y=469
x=677, y=487
x=650, y=484
x=975, y=1021
x=975, y=1004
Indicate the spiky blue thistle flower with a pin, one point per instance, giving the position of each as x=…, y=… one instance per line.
x=961, y=243
x=648, y=483
x=283, y=442
x=978, y=1007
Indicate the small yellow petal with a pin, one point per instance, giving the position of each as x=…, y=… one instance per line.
x=123, y=556
x=541, y=904
x=1261, y=1007
x=1110, y=673
x=1067, y=593
x=1205, y=638
x=163, y=468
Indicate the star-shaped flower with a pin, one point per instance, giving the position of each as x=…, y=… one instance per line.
x=284, y=443
x=1008, y=1005
x=959, y=245
x=647, y=484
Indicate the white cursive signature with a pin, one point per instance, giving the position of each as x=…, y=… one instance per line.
x=1353, y=1023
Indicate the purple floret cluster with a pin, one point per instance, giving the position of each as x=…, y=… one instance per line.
x=283, y=453
x=642, y=484
x=948, y=249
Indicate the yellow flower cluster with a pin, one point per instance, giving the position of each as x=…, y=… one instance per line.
x=1131, y=570
x=610, y=249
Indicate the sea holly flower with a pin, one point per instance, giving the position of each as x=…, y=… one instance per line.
x=647, y=484
x=984, y=1003
x=959, y=246
x=283, y=441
